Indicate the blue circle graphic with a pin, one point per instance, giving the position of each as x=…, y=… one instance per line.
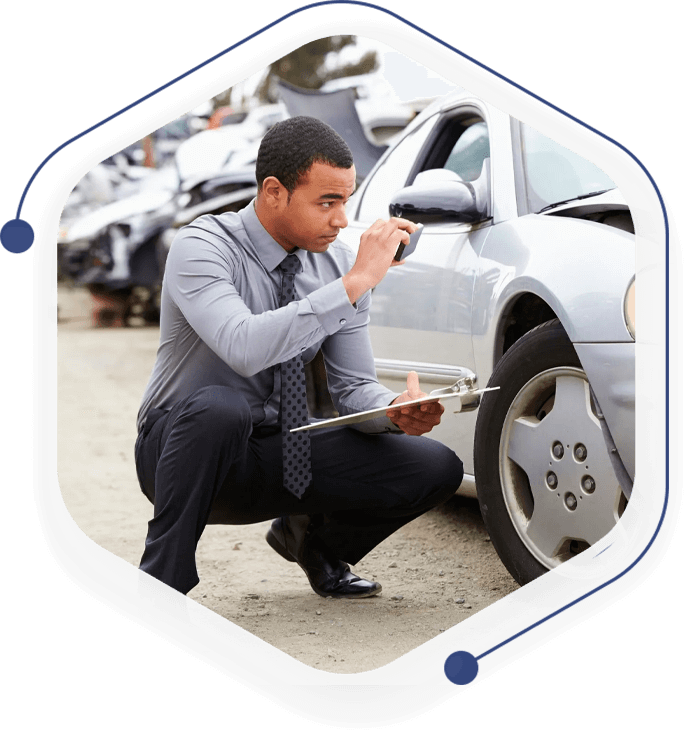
x=461, y=668
x=17, y=236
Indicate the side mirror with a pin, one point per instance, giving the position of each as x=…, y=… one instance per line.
x=442, y=195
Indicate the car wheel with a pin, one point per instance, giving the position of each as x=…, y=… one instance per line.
x=545, y=483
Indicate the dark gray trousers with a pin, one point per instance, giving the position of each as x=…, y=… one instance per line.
x=202, y=463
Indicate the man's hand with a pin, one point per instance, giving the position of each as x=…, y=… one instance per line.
x=415, y=420
x=377, y=249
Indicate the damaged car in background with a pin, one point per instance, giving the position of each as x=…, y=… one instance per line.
x=113, y=250
x=118, y=250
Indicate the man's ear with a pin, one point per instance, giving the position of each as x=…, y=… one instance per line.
x=273, y=192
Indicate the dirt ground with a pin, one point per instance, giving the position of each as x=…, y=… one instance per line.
x=435, y=572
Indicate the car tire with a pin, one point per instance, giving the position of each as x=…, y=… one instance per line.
x=544, y=479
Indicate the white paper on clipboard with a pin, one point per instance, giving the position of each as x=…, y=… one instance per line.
x=436, y=395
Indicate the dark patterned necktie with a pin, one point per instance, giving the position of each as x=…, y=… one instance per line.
x=297, y=474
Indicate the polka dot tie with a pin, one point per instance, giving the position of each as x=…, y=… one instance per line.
x=297, y=474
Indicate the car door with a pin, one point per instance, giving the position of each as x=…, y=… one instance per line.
x=421, y=315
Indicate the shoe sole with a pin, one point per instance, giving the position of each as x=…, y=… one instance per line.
x=280, y=549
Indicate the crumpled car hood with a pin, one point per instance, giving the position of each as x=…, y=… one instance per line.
x=90, y=224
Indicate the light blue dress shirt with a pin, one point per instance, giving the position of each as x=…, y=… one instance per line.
x=221, y=323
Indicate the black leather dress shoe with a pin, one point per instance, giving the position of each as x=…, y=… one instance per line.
x=327, y=575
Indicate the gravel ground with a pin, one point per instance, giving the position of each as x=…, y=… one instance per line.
x=435, y=572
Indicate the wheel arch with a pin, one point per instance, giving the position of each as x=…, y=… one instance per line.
x=525, y=311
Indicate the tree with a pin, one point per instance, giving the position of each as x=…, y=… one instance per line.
x=305, y=66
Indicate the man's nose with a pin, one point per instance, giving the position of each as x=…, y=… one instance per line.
x=339, y=217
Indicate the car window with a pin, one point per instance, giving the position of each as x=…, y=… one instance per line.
x=177, y=129
x=233, y=118
x=468, y=153
x=554, y=174
x=391, y=175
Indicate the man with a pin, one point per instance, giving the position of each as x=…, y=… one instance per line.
x=247, y=298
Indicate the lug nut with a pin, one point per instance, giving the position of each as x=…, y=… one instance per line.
x=580, y=452
x=588, y=484
x=552, y=480
x=570, y=501
x=557, y=450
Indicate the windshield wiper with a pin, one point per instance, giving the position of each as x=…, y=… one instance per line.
x=577, y=197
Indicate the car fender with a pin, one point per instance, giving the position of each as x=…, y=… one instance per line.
x=581, y=270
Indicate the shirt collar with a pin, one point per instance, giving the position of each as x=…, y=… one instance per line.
x=269, y=252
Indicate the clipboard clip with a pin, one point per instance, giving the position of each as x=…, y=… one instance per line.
x=465, y=388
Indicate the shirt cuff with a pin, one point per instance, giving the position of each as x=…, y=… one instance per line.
x=331, y=306
x=377, y=426
x=383, y=424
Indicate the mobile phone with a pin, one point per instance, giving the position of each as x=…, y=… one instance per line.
x=406, y=250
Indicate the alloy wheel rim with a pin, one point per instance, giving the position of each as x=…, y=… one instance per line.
x=557, y=481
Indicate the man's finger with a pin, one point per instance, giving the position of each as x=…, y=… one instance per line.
x=413, y=385
x=430, y=415
x=404, y=224
x=434, y=408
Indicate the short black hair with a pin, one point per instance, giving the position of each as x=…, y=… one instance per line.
x=289, y=149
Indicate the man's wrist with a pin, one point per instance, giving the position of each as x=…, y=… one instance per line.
x=355, y=286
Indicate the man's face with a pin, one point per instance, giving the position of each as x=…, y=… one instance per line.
x=315, y=212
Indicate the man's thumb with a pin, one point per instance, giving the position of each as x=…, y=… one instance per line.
x=413, y=384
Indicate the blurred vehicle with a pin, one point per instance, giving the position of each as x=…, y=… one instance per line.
x=522, y=279
x=380, y=111
x=171, y=135
x=113, y=179
x=115, y=247
x=227, y=191
x=118, y=251
x=226, y=116
x=112, y=250
x=208, y=152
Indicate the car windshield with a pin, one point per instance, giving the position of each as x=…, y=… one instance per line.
x=554, y=174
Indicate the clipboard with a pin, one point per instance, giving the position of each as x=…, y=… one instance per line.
x=462, y=389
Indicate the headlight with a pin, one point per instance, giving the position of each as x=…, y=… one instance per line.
x=629, y=307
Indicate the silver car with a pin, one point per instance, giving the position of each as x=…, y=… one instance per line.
x=524, y=279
